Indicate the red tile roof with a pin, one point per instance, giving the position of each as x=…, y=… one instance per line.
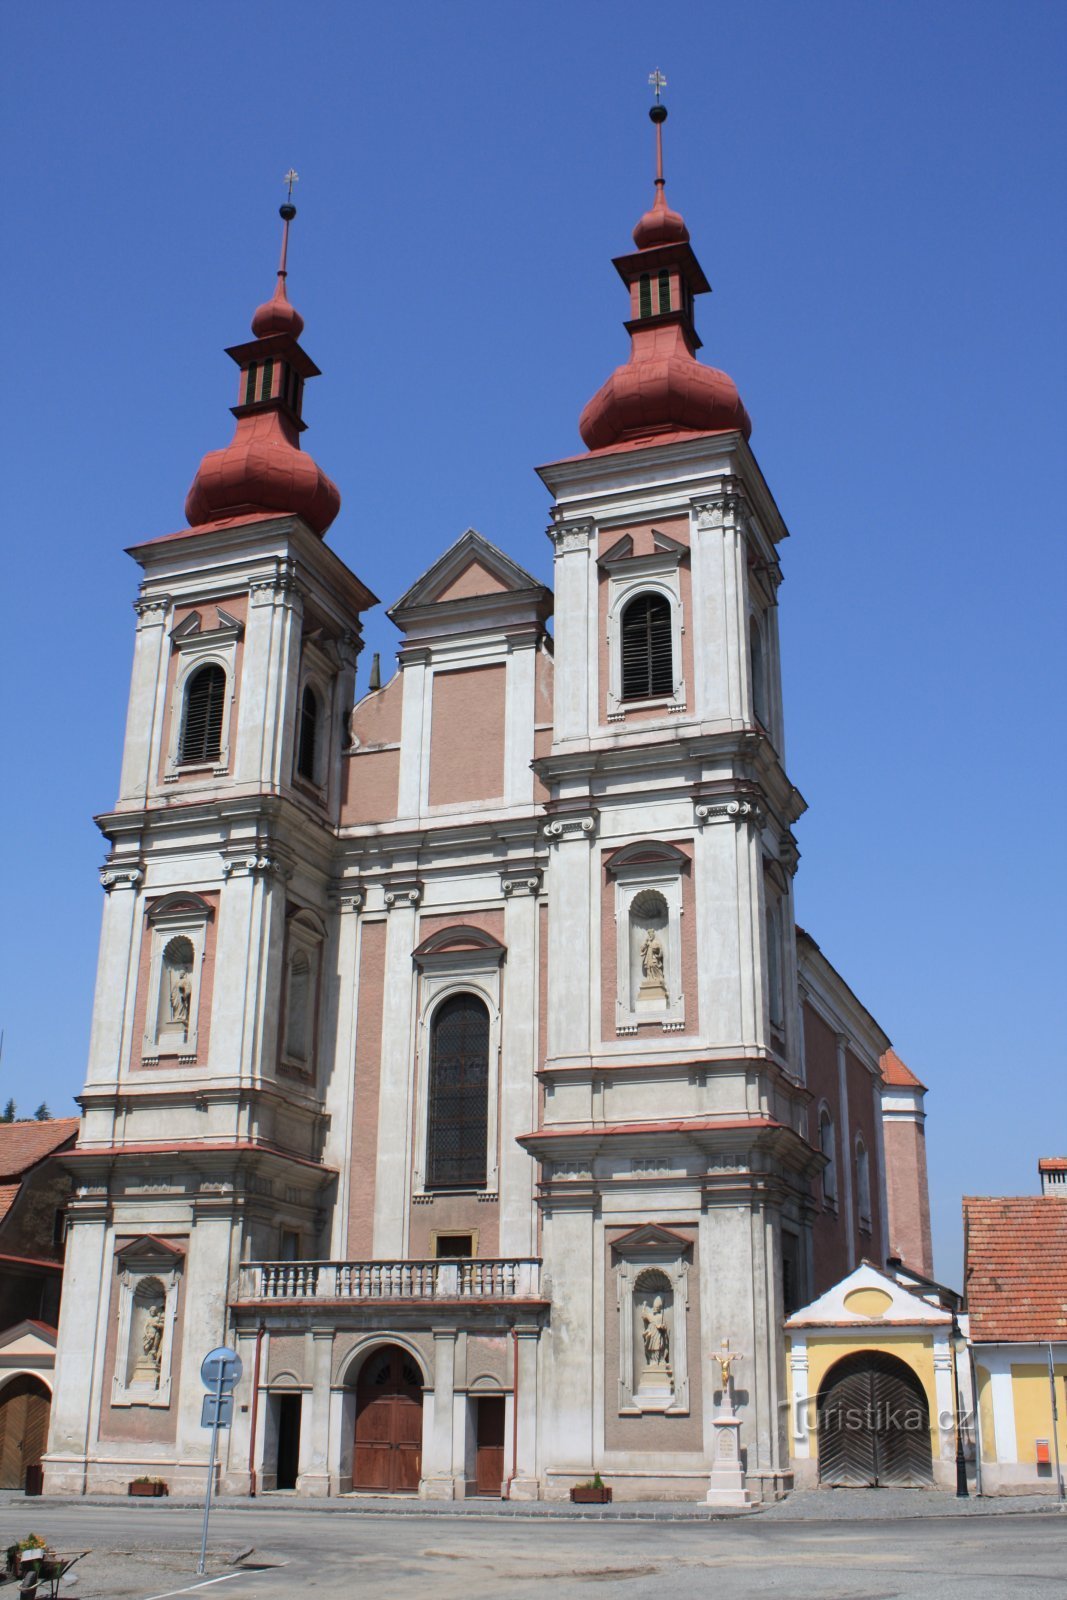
x=896, y=1073
x=24, y=1144
x=8, y=1192
x=1052, y=1164
x=1015, y=1267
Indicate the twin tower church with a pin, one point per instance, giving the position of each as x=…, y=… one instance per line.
x=456, y=1056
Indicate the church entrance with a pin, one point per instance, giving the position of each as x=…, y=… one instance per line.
x=874, y=1424
x=489, y=1468
x=25, y=1404
x=388, y=1453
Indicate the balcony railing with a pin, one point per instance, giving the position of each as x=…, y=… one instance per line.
x=474, y=1280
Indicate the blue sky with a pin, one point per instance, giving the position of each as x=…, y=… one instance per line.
x=876, y=193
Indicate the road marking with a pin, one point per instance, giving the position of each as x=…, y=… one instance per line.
x=193, y=1586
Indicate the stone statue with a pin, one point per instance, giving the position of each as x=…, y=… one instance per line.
x=152, y=1339
x=652, y=958
x=656, y=1335
x=181, y=994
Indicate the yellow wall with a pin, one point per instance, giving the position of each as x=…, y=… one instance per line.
x=985, y=1413
x=917, y=1351
x=1032, y=1403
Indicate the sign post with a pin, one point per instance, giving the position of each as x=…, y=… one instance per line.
x=220, y=1372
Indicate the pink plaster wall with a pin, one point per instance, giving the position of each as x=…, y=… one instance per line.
x=142, y=1424
x=908, y=1194
x=371, y=772
x=455, y=1213
x=474, y=579
x=365, y=1108
x=467, y=735
x=861, y=1121
x=490, y=920
x=207, y=989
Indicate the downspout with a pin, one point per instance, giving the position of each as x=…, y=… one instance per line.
x=255, y=1413
x=505, y=1493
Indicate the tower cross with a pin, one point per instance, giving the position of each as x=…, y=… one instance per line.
x=657, y=82
x=291, y=177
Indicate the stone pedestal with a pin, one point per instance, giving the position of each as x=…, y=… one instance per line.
x=726, y=1486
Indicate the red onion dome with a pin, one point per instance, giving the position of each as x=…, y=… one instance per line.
x=662, y=389
x=276, y=315
x=263, y=470
x=661, y=225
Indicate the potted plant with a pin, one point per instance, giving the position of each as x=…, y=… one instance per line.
x=594, y=1492
x=151, y=1488
x=13, y=1555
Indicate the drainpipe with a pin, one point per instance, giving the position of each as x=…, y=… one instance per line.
x=255, y=1413
x=505, y=1493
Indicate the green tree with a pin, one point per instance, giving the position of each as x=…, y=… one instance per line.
x=9, y=1112
x=42, y=1114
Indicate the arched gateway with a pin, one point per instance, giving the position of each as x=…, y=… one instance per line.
x=874, y=1424
x=388, y=1444
x=25, y=1404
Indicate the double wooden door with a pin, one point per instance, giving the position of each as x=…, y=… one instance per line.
x=24, y=1407
x=388, y=1447
x=874, y=1424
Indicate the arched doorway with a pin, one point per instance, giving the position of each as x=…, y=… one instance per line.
x=874, y=1424
x=388, y=1445
x=25, y=1404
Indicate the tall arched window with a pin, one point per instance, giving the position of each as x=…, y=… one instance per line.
x=863, y=1183
x=307, y=739
x=827, y=1148
x=759, y=672
x=459, y=1095
x=298, y=1007
x=647, y=661
x=205, y=697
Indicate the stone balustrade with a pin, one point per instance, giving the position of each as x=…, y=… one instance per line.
x=467, y=1280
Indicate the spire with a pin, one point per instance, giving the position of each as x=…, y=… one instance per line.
x=263, y=468
x=663, y=388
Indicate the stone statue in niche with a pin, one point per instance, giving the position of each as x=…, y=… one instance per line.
x=653, y=1304
x=152, y=1340
x=181, y=994
x=176, y=987
x=648, y=943
x=146, y=1332
x=656, y=1337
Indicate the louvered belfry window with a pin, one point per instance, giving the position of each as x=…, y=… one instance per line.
x=309, y=717
x=647, y=664
x=459, y=1095
x=202, y=725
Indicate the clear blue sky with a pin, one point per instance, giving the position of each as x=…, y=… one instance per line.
x=876, y=193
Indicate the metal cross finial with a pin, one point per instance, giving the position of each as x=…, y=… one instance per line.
x=290, y=178
x=657, y=82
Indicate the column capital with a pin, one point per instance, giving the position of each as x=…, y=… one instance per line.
x=404, y=896
x=569, y=537
x=725, y=503
x=579, y=826
x=125, y=875
x=152, y=609
x=518, y=881
x=740, y=812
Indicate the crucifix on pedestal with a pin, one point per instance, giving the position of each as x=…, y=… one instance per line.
x=727, y=1484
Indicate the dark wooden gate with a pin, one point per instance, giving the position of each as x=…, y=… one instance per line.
x=489, y=1473
x=388, y=1452
x=874, y=1424
x=24, y=1407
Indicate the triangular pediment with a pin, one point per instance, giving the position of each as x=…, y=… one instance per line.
x=27, y=1339
x=148, y=1250
x=652, y=1239
x=470, y=568
x=867, y=1297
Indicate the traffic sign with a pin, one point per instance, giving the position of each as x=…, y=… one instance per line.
x=221, y=1369
x=216, y=1411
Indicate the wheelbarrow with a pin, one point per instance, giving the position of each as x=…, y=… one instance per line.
x=42, y=1571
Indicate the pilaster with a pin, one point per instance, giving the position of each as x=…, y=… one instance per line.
x=518, y=1112
x=573, y=899
x=439, y=1478
x=397, y=1091
x=576, y=628
x=140, y=751
x=115, y=973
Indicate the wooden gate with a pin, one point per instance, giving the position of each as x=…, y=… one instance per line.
x=24, y=1407
x=874, y=1424
x=489, y=1472
x=388, y=1452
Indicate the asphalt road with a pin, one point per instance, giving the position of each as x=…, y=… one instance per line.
x=149, y=1554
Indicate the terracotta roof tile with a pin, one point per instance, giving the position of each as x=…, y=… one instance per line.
x=1015, y=1267
x=8, y=1191
x=24, y=1144
x=896, y=1073
x=1052, y=1164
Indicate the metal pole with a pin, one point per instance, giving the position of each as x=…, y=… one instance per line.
x=962, y=1492
x=211, y=1465
x=1055, y=1417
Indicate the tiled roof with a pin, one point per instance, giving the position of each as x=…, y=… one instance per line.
x=1015, y=1267
x=24, y=1144
x=1052, y=1164
x=894, y=1072
x=8, y=1191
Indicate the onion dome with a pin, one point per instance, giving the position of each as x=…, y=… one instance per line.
x=263, y=469
x=663, y=388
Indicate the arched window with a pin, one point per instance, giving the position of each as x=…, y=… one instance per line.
x=298, y=1007
x=459, y=1095
x=759, y=672
x=645, y=295
x=863, y=1183
x=664, y=291
x=205, y=698
x=647, y=662
x=306, y=745
x=827, y=1147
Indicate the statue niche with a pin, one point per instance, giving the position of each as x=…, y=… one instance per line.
x=653, y=1302
x=147, y=1325
x=648, y=951
x=176, y=989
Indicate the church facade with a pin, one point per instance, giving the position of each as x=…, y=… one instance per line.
x=455, y=1056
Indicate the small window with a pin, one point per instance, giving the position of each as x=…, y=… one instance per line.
x=863, y=1185
x=289, y=1245
x=267, y=386
x=759, y=673
x=202, y=723
x=790, y=1272
x=250, y=383
x=644, y=291
x=827, y=1148
x=647, y=659
x=453, y=1246
x=298, y=1007
x=774, y=961
x=307, y=742
x=457, y=1135
x=665, y=291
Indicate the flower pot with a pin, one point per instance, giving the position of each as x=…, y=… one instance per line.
x=586, y=1495
x=150, y=1491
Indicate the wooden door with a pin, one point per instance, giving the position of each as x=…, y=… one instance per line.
x=388, y=1448
x=874, y=1424
x=489, y=1473
x=24, y=1408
